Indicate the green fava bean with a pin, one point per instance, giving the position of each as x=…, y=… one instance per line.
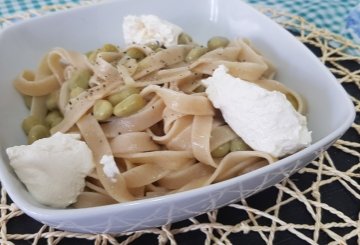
x=80, y=79
x=52, y=100
x=56, y=121
x=154, y=46
x=38, y=132
x=217, y=42
x=30, y=122
x=88, y=54
x=200, y=89
x=123, y=94
x=239, y=145
x=76, y=91
x=221, y=150
x=158, y=50
x=135, y=53
x=92, y=55
x=52, y=117
x=195, y=53
x=109, y=48
x=129, y=106
x=184, y=38
x=102, y=110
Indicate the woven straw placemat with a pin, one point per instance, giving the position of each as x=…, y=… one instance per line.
x=338, y=167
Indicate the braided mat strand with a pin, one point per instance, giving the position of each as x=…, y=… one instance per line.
x=327, y=170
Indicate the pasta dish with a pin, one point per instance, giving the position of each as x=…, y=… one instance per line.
x=145, y=108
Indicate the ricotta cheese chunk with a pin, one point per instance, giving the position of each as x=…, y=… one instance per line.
x=110, y=168
x=53, y=169
x=264, y=119
x=145, y=29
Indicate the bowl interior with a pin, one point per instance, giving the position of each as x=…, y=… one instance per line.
x=22, y=46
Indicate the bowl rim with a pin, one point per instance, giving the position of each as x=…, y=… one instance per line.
x=45, y=213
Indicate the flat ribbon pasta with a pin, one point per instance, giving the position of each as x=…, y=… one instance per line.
x=179, y=102
x=25, y=85
x=132, y=142
x=97, y=142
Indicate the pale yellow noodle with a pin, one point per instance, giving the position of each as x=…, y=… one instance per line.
x=76, y=59
x=170, y=160
x=144, y=174
x=125, y=75
x=161, y=59
x=170, y=117
x=180, y=102
x=98, y=143
x=193, y=184
x=56, y=65
x=177, y=126
x=92, y=199
x=247, y=53
x=200, y=139
x=182, y=141
x=43, y=73
x=245, y=70
x=174, y=76
x=179, y=178
x=103, y=69
x=40, y=87
x=228, y=54
x=95, y=188
x=190, y=83
x=64, y=97
x=133, y=142
x=239, y=160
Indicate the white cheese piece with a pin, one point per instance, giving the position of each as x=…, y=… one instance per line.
x=53, y=169
x=145, y=29
x=264, y=119
x=110, y=168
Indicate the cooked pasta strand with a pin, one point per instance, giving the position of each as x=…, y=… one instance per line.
x=97, y=142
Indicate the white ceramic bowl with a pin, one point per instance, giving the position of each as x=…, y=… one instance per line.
x=330, y=112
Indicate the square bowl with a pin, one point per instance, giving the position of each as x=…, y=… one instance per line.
x=330, y=111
